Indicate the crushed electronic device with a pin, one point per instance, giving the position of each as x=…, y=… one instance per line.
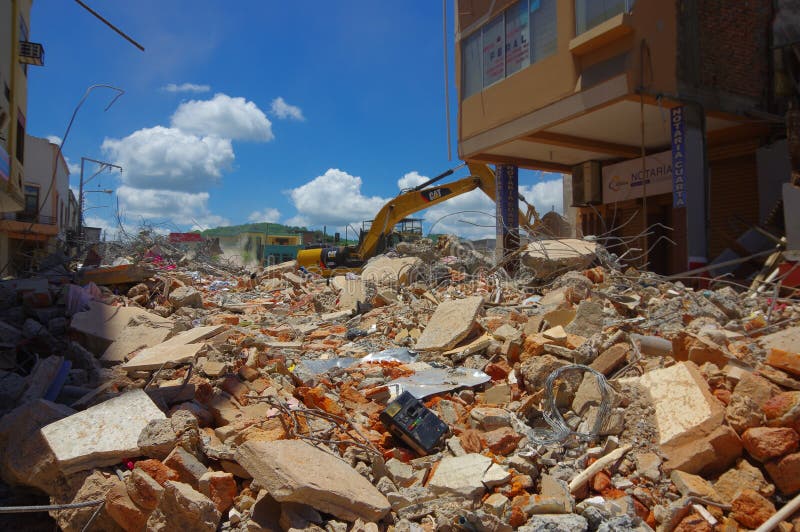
x=408, y=419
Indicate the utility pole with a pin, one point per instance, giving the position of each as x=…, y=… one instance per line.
x=103, y=166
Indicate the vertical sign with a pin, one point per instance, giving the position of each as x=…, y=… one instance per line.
x=494, y=63
x=678, y=158
x=517, y=36
x=507, y=193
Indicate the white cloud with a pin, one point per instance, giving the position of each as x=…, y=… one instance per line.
x=545, y=195
x=185, y=209
x=185, y=87
x=411, y=180
x=54, y=139
x=73, y=168
x=266, y=215
x=168, y=158
x=335, y=199
x=224, y=117
x=281, y=109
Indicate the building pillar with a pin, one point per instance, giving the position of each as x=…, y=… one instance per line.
x=691, y=121
x=507, y=209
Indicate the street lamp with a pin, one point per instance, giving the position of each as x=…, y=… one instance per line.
x=103, y=166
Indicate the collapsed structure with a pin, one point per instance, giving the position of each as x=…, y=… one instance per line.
x=180, y=394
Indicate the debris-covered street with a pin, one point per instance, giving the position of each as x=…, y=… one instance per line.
x=204, y=399
x=361, y=266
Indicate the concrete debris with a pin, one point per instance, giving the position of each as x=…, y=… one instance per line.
x=103, y=434
x=202, y=396
x=295, y=471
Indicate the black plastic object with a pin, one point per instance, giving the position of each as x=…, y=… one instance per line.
x=409, y=420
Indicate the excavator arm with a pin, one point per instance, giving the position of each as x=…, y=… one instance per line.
x=402, y=206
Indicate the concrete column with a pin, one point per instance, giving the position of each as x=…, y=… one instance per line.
x=507, y=209
x=696, y=187
x=570, y=212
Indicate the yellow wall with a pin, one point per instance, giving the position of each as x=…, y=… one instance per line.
x=559, y=75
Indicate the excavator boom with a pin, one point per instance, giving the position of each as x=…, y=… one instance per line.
x=402, y=206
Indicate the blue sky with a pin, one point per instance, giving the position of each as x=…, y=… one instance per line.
x=306, y=113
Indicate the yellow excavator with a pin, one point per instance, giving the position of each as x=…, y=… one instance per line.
x=340, y=259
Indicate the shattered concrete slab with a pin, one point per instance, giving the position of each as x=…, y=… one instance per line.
x=384, y=270
x=451, y=322
x=163, y=355
x=103, y=434
x=294, y=471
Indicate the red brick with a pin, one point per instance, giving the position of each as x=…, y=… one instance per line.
x=156, y=469
x=751, y=509
x=766, y=443
x=785, y=473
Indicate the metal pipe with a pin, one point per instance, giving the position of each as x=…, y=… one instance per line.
x=439, y=177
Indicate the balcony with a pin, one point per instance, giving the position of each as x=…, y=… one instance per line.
x=600, y=22
x=31, y=217
x=591, y=13
x=31, y=53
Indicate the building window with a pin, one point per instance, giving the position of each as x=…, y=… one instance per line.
x=524, y=33
x=20, y=137
x=494, y=65
x=472, y=68
x=591, y=13
x=544, y=29
x=517, y=38
x=31, y=200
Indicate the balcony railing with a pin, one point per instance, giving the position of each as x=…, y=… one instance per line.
x=590, y=13
x=30, y=217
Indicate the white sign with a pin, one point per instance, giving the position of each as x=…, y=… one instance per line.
x=494, y=62
x=624, y=181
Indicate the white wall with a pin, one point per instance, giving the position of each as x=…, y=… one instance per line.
x=39, y=158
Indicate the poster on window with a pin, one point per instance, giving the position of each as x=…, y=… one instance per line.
x=471, y=61
x=494, y=64
x=517, y=40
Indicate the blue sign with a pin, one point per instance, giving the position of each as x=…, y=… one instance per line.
x=507, y=195
x=678, y=158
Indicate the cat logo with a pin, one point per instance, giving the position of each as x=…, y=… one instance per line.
x=435, y=194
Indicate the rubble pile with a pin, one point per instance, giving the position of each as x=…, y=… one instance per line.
x=602, y=401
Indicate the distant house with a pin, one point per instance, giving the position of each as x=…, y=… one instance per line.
x=43, y=224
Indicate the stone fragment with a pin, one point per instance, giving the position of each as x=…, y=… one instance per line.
x=785, y=473
x=535, y=370
x=183, y=508
x=401, y=473
x=103, y=434
x=143, y=489
x=157, y=439
x=783, y=410
x=295, y=471
x=195, y=335
x=141, y=331
x=296, y=516
x=90, y=487
x=755, y=387
x=751, y=509
x=103, y=324
x=214, y=368
x=157, y=470
x=450, y=323
x=685, y=409
x=220, y=487
x=588, y=320
x=785, y=360
x=461, y=475
x=693, y=486
x=507, y=332
x=611, y=359
x=499, y=394
x=25, y=457
x=190, y=470
x=163, y=355
x=489, y=418
x=556, y=334
x=123, y=510
x=383, y=270
x=766, y=443
x=555, y=523
x=708, y=454
x=186, y=296
x=743, y=413
x=496, y=504
x=744, y=475
x=495, y=476
x=502, y=441
x=648, y=466
x=546, y=258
